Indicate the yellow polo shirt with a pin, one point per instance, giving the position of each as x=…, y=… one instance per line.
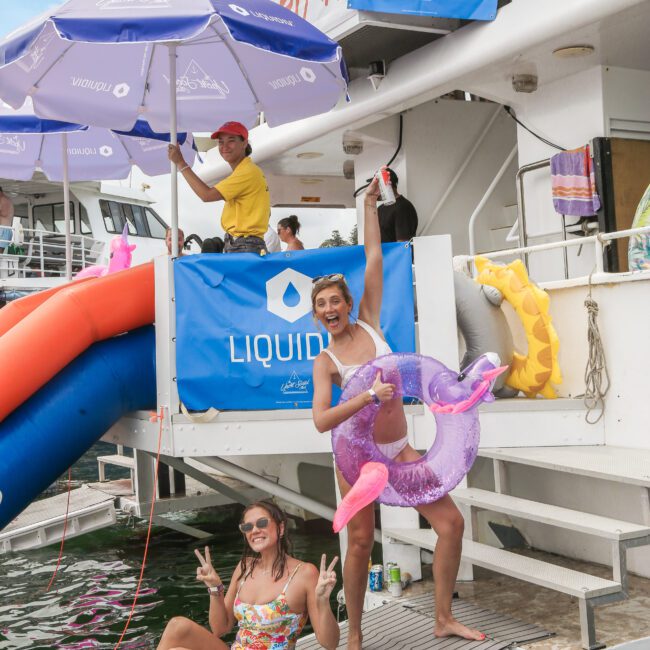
x=248, y=205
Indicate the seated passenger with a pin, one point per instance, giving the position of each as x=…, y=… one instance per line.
x=288, y=228
x=270, y=596
x=181, y=241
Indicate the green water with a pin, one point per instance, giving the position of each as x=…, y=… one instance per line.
x=89, y=603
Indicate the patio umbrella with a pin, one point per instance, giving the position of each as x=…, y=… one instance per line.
x=72, y=152
x=106, y=62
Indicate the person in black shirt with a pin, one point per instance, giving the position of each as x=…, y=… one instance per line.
x=399, y=221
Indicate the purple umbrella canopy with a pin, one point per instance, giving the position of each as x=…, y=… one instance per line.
x=28, y=143
x=107, y=62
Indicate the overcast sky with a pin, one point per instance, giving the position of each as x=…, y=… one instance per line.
x=194, y=216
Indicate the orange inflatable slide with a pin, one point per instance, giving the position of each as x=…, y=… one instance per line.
x=41, y=334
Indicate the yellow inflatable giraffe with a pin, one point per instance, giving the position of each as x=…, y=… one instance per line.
x=539, y=370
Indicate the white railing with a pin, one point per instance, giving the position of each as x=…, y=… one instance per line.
x=41, y=254
x=600, y=242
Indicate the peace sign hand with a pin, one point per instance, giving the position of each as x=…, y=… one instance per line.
x=326, y=578
x=206, y=573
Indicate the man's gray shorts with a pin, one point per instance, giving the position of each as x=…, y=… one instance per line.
x=244, y=245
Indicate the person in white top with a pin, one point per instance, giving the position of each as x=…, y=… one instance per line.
x=352, y=345
x=272, y=241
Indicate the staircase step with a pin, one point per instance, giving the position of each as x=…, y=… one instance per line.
x=551, y=576
x=544, y=513
x=116, y=459
x=621, y=464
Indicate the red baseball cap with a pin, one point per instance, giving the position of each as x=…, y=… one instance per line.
x=231, y=128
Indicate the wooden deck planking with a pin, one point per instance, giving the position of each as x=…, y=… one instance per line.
x=407, y=624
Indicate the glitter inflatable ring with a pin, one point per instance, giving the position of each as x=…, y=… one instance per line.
x=453, y=399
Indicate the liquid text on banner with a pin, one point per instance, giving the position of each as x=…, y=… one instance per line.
x=246, y=339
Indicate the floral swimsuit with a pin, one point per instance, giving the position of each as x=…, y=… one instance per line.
x=272, y=626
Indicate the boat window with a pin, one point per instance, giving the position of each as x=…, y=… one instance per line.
x=51, y=217
x=138, y=218
x=140, y=221
x=128, y=215
x=157, y=227
x=85, y=221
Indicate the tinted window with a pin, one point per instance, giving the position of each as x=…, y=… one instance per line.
x=85, y=222
x=51, y=217
x=117, y=214
x=20, y=211
x=157, y=227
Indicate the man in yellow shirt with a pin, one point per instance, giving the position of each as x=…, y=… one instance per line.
x=245, y=216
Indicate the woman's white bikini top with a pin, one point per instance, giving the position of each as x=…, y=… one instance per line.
x=381, y=348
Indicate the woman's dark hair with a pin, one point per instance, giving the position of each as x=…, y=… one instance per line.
x=291, y=222
x=249, y=150
x=250, y=558
x=212, y=245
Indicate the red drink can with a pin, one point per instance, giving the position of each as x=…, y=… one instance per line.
x=385, y=188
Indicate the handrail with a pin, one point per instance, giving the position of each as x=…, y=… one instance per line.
x=486, y=196
x=600, y=241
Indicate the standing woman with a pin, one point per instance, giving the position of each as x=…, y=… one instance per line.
x=270, y=596
x=353, y=345
x=288, y=228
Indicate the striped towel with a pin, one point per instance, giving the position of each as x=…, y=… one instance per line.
x=573, y=183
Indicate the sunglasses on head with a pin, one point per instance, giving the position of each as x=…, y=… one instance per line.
x=262, y=522
x=333, y=277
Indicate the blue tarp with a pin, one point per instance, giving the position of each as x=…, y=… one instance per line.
x=464, y=9
x=246, y=338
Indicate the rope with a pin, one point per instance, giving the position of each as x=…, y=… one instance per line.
x=65, y=527
x=146, y=546
x=596, y=370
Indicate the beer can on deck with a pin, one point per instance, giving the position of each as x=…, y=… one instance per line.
x=385, y=186
x=376, y=578
x=394, y=574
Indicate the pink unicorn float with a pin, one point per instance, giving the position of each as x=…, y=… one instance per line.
x=120, y=257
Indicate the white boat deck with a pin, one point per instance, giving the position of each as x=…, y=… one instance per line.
x=407, y=624
x=42, y=523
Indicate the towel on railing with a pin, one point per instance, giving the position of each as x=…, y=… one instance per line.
x=573, y=183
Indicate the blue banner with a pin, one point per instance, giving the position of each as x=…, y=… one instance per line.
x=245, y=336
x=464, y=9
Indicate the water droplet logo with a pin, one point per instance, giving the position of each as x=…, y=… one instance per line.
x=288, y=295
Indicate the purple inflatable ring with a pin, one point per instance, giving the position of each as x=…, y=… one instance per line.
x=452, y=397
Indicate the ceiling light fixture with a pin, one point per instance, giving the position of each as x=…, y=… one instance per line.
x=310, y=180
x=573, y=51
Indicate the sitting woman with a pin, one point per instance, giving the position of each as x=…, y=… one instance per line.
x=270, y=596
x=288, y=228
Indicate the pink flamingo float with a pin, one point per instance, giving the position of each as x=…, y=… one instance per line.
x=120, y=257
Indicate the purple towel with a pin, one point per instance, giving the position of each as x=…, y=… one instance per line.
x=573, y=183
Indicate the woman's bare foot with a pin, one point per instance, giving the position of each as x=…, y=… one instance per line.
x=452, y=627
x=354, y=642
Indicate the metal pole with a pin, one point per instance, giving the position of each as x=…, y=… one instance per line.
x=295, y=498
x=66, y=209
x=173, y=138
x=460, y=171
x=486, y=196
x=521, y=202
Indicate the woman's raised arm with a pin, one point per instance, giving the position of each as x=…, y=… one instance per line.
x=370, y=305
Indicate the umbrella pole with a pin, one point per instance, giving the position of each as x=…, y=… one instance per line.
x=173, y=138
x=66, y=209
